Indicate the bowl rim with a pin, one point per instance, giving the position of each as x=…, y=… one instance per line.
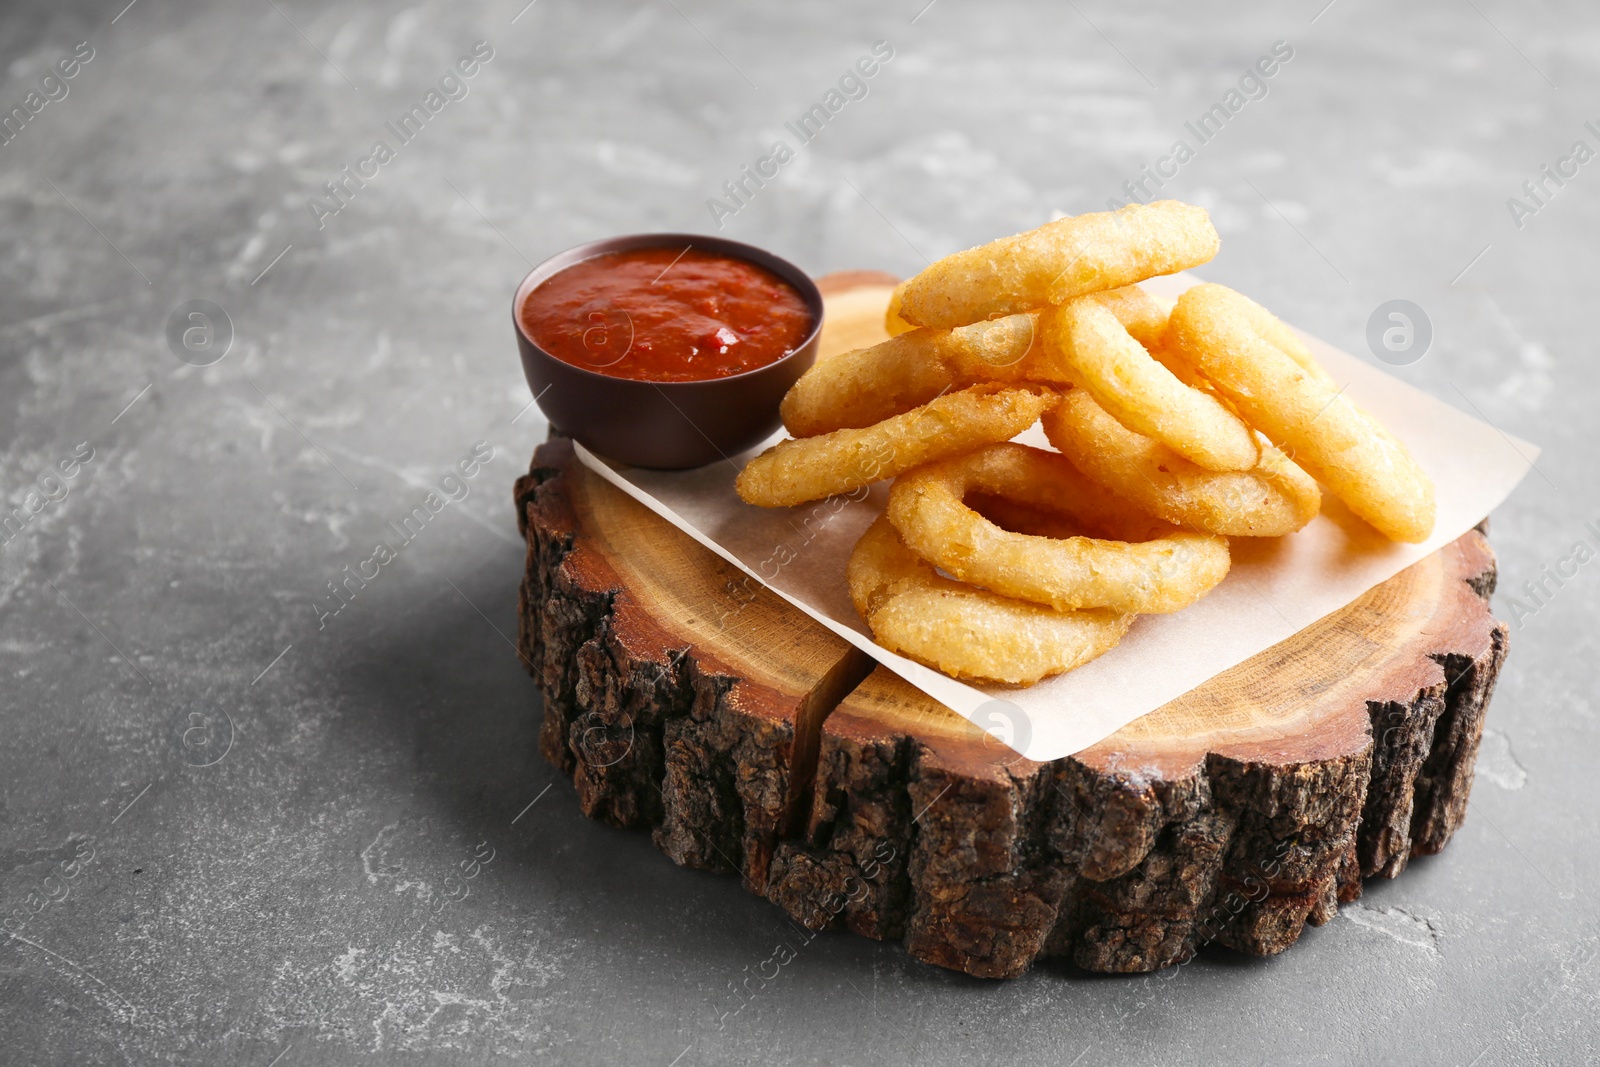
x=783, y=268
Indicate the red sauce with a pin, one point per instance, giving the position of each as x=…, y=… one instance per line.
x=666, y=315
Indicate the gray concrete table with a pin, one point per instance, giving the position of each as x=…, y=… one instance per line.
x=244, y=822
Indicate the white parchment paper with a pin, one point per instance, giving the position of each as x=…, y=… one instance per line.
x=1275, y=588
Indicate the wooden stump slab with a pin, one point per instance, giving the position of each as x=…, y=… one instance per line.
x=682, y=696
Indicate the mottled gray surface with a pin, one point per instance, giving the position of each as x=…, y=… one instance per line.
x=291, y=903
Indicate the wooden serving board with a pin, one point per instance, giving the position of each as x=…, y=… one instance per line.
x=1235, y=814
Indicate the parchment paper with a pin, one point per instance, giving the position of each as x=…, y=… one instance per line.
x=1275, y=588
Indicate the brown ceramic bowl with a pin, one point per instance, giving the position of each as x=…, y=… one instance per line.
x=664, y=425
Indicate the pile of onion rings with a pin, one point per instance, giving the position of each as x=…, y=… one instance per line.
x=1175, y=428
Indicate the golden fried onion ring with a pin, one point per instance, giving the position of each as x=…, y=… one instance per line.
x=891, y=315
x=811, y=468
x=1235, y=343
x=1058, y=261
x=868, y=385
x=1141, y=313
x=1099, y=354
x=1273, y=499
x=1151, y=566
x=967, y=632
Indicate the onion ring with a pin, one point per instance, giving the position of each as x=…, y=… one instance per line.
x=868, y=385
x=1058, y=261
x=891, y=315
x=1163, y=570
x=1273, y=499
x=1101, y=355
x=1277, y=333
x=1169, y=355
x=967, y=632
x=811, y=468
x=1234, y=341
x=1141, y=313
